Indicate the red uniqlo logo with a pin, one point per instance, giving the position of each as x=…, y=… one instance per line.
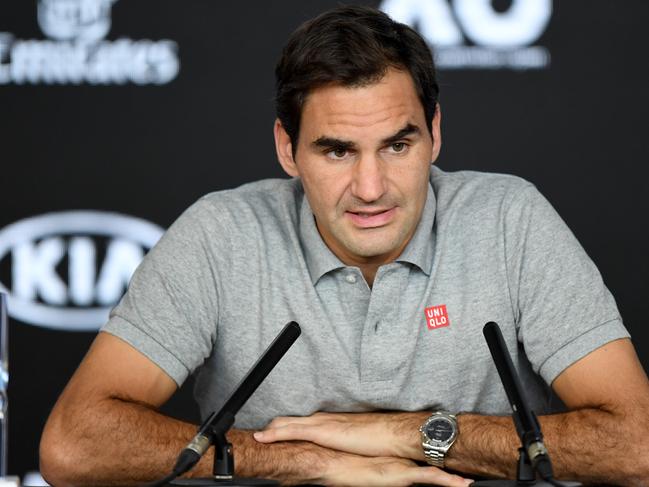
x=436, y=317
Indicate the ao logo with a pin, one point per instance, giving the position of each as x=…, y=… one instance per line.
x=39, y=247
x=499, y=37
x=81, y=20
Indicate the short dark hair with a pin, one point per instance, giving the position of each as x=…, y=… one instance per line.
x=351, y=46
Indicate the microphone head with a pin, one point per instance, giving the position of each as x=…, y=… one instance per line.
x=293, y=330
x=491, y=330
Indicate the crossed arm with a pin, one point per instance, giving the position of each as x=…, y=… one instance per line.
x=106, y=430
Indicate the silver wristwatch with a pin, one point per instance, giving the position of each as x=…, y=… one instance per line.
x=438, y=434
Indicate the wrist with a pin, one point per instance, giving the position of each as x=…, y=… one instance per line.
x=438, y=435
x=407, y=442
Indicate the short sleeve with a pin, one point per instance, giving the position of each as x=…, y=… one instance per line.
x=564, y=310
x=170, y=310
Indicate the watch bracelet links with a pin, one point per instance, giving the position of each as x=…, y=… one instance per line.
x=434, y=457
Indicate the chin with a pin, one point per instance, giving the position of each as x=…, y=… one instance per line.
x=372, y=251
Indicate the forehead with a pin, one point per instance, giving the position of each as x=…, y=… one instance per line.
x=376, y=109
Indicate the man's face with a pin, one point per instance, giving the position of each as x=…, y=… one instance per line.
x=364, y=156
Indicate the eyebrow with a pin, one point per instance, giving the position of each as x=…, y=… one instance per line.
x=328, y=142
x=409, y=129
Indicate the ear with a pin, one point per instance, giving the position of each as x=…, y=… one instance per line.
x=284, y=150
x=436, y=132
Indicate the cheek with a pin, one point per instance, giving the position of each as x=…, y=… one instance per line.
x=410, y=179
x=325, y=191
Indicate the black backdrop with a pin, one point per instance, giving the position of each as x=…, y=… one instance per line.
x=576, y=128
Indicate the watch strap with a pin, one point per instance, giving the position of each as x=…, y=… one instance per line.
x=434, y=457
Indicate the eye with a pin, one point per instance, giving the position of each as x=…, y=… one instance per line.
x=398, y=148
x=338, y=153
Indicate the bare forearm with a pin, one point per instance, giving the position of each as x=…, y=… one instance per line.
x=122, y=443
x=114, y=442
x=589, y=445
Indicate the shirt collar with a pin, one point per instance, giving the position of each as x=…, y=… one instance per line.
x=419, y=250
x=321, y=260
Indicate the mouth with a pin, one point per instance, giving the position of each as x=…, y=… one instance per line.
x=371, y=218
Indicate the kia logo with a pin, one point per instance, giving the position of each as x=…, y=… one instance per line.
x=68, y=269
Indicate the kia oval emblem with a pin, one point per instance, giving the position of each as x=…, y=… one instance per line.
x=101, y=250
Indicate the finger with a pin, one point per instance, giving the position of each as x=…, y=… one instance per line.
x=282, y=421
x=285, y=433
x=324, y=416
x=437, y=476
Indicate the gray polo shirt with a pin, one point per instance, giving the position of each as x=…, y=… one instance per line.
x=239, y=264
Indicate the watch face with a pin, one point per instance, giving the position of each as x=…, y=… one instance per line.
x=440, y=429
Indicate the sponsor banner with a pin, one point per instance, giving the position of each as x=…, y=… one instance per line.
x=77, y=52
x=69, y=269
x=473, y=34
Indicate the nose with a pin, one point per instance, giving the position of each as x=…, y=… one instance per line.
x=369, y=179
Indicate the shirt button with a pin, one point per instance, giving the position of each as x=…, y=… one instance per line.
x=350, y=278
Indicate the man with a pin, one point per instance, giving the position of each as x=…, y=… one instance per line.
x=392, y=268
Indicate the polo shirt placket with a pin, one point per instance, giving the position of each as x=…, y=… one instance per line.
x=374, y=322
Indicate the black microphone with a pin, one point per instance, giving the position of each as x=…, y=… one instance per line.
x=527, y=425
x=218, y=423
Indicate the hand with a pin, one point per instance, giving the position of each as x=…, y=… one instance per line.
x=383, y=434
x=353, y=470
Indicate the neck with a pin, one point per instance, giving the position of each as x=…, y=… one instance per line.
x=369, y=272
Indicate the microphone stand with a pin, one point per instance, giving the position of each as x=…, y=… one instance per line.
x=217, y=424
x=533, y=457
